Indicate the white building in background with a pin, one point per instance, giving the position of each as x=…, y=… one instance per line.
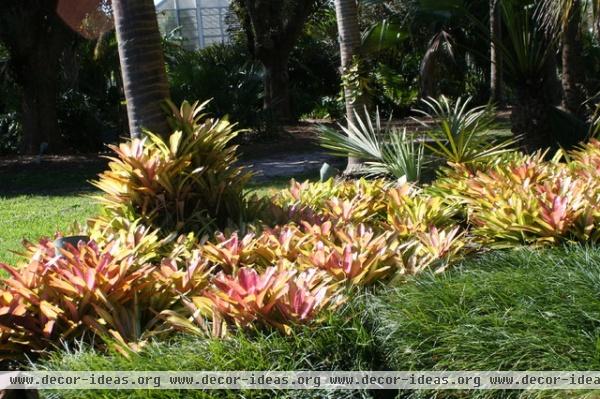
x=201, y=22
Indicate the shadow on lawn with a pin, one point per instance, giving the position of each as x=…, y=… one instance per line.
x=53, y=175
x=71, y=175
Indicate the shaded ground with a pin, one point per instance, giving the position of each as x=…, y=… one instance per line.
x=295, y=153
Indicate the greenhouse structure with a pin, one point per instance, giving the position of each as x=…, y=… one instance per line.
x=198, y=22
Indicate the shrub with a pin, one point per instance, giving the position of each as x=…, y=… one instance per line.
x=186, y=183
x=519, y=310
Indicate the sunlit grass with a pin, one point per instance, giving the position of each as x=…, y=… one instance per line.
x=31, y=217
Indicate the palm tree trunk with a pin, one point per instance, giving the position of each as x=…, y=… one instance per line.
x=530, y=120
x=142, y=65
x=496, y=78
x=573, y=76
x=349, y=36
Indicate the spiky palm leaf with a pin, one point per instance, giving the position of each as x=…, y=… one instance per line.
x=458, y=133
x=386, y=151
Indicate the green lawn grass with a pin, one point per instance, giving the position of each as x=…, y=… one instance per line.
x=35, y=216
x=39, y=202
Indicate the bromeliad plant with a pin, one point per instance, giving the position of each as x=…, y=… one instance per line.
x=278, y=296
x=529, y=200
x=187, y=182
x=336, y=201
x=62, y=295
x=410, y=211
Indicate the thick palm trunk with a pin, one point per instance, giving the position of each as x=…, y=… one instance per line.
x=573, y=76
x=530, y=116
x=39, y=82
x=530, y=120
x=40, y=122
x=496, y=76
x=349, y=37
x=142, y=65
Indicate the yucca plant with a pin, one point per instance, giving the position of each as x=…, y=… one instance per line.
x=385, y=150
x=459, y=133
x=186, y=183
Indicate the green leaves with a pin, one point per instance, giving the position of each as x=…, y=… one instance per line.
x=460, y=134
x=386, y=151
x=185, y=183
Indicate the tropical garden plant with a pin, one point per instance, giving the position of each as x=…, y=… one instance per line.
x=460, y=133
x=187, y=182
x=386, y=151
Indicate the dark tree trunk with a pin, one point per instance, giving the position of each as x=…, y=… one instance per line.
x=551, y=89
x=530, y=119
x=277, y=92
x=39, y=83
x=35, y=38
x=573, y=76
x=534, y=103
x=40, y=122
x=272, y=29
x=496, y=75
x=142, y=65
x=427, y=74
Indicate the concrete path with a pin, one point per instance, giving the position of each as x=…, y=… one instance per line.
x=290, y=165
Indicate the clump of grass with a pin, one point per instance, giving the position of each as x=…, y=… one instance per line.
x=342, y=343
x=518, y=310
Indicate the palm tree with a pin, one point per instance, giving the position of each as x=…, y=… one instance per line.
x=349, y=36
x=142, y=65
x=564, y=18
x=495, y=55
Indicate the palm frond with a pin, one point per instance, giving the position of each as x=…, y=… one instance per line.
x=460, y=133
x=384, y=150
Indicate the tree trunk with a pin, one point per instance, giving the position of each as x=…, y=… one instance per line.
x=552, y=89
x=38, y=79
x=349, y=36
x=35, y=39
x=427, y=73
x=496, y=75
x=277, y=91
x=573, y=73
x=40, y=122
x=142, y=65
x=529, y=119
